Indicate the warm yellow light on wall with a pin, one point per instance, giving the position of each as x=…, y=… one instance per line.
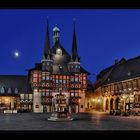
x=98, y=100
x=7, y=100
x=93, y=100
x=123, y=96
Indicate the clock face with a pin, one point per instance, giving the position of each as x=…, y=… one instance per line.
x=59, y=51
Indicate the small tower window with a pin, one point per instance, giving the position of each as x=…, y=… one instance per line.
x=16, y=90
x=9, y=90
x=2, y=90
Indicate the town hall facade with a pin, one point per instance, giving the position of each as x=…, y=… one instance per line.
x=58, y=71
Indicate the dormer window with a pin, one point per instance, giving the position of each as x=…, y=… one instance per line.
x=16, y=90
x=2, y=90
x=129, y=73
x=9, y=90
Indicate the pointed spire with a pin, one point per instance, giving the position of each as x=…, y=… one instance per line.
x=47, y=42
x=74, y=45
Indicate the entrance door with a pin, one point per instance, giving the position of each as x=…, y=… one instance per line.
x=111, y=104
x=106, y=104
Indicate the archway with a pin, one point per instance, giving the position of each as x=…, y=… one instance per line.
x=117, y=103
x=106, y=104
x=111, y=103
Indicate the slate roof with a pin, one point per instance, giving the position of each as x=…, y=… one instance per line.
x=15, y=81
x=123, y=70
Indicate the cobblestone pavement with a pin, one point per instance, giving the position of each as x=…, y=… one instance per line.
x=83, y=121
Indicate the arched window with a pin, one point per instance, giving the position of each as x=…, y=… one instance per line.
x=16, y=90
x=2, y=90
x=9, y=90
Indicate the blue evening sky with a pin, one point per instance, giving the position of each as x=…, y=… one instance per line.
x=103, y=35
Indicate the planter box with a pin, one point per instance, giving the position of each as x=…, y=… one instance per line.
x=7, y=111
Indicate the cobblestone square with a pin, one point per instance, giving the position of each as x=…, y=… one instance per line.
x=82, y=121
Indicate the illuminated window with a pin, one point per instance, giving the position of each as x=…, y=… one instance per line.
x=43, y=77
x=2, y=90
x=30, y=96
x=60, y=81
x=64, y=81
x=34, y=79
x=76, y=79
x=56, y=81
x=47, y=78
x=26, y=96
x=22, y=96
x=72, y=94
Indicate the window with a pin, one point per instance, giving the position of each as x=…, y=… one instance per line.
x=2, y=90
x=22, y=96
x=16, y=90
x=56, y=81
x=60, y=81
x=72, y=79
x=64, y=81
x=34, y=79
x=30, y=96
x=9, y=90
x=43, y=77
x=47, y=93
x=47, y=77
x=72, y=94
x=26, y=96
x=76, y=79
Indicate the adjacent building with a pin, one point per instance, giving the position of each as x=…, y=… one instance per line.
x=118, y=86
